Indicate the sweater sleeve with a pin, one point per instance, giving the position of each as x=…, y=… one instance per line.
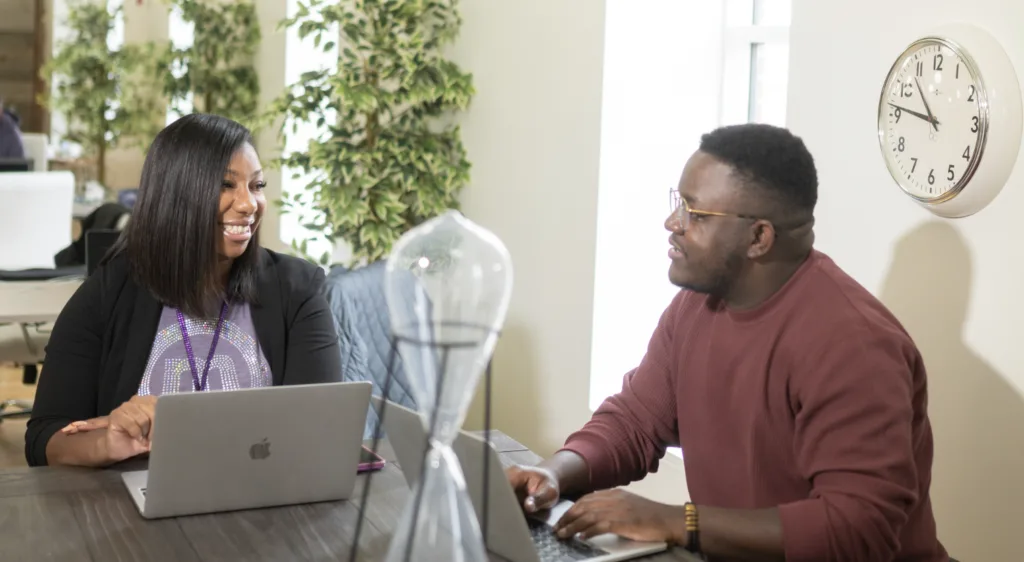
x=854, y=415
x=630, y=431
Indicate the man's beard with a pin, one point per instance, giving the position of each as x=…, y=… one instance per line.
x=720, y=279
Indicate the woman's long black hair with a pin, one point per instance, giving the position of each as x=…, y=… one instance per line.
x=171, y=242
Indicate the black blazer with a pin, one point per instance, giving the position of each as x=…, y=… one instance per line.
x=101, y=341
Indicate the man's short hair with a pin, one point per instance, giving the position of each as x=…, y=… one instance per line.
x=770, y=158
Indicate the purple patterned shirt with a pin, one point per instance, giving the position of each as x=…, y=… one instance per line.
x=239, y=361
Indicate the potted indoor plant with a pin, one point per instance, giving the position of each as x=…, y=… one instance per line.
x=215, y=74
x=101, y=92
x=386, y=155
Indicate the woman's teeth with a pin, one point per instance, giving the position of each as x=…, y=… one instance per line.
x=236, y=228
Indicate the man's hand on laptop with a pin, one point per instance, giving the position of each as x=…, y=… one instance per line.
x=536, y=487
x=625, y=514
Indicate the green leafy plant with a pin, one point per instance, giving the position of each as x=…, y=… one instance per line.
x=385, y=156
x=99, y=90
x=216, y=72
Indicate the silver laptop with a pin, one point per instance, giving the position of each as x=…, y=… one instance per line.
x=242, y=449
x=510, y=534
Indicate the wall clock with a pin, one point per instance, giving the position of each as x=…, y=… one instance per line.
x=949, y=120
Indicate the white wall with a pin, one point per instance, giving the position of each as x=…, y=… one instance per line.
x=534, y=137
x=533, y=134
x=954, y=284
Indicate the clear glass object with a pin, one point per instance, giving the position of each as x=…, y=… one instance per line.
x=448, y=284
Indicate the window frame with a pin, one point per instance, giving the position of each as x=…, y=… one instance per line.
x=738, y=51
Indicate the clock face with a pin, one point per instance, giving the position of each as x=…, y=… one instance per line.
x=932, y=119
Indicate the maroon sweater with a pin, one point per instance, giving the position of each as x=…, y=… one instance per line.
x=815, y=402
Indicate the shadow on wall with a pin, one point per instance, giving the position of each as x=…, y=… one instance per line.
x=514, y=403
x=977, y=416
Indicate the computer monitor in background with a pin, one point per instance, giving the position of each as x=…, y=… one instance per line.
x=97, y=243
x=15, y=165
x=35, y=210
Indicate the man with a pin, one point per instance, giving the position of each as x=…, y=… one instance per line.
x=11, y=146
x=797, y=398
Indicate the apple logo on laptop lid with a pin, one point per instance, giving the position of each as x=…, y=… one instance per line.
x=260, y=451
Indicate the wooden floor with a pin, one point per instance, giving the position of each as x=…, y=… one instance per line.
x=12, y=431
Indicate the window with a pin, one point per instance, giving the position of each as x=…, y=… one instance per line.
x=62, y=33
x=660, y=92
x=301, y=56
x=672, y=71
x=755, y=66
x=181, y=35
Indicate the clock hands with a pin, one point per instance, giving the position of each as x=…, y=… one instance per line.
x=924, y=98
x=927, y=118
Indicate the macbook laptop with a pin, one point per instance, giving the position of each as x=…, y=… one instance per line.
x=510, y=533
x=251, y=448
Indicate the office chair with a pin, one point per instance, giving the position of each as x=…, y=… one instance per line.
x=97, y=243
x=30, y=372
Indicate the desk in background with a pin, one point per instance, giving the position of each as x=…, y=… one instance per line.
x=32, y=302
x=82, y=514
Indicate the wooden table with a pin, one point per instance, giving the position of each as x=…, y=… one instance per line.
x=82, y=514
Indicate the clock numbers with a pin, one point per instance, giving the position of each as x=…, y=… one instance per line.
x=929, y=130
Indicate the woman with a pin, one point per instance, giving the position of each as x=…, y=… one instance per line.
x=186, y=301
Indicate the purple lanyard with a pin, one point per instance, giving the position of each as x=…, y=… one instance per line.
x=196, y=383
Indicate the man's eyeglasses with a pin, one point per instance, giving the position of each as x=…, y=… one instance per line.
x=684, y=213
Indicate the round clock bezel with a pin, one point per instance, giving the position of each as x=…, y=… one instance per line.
x=983, y=118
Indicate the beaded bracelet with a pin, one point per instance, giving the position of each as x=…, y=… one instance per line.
x=692, y=528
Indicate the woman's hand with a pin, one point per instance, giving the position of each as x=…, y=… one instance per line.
x=128, y=428
x=86, y=425
x=105, y=440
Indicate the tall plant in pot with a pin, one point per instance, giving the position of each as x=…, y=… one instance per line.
x=101, y=92
x=215, y=74
x=385, y=155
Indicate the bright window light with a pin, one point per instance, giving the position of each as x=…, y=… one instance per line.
x=672, y=71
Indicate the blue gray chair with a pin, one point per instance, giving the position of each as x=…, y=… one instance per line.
x=356, y=298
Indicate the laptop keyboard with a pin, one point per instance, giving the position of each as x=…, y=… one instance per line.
x=552, y=549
